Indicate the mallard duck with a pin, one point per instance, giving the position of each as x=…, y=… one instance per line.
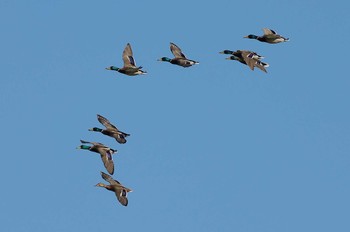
x=180, y=59
x=270, y=36
x=110, y=130
x=129, y=67
x=115, y=186
x=238, y=53
x=252, y=59
x=105, y=152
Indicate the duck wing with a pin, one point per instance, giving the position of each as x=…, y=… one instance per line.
x=268, y=31
x=176, y=51
x=248, y=57
x=106, y=156
x=261, y=66
x=127, y=56
x=113, y=182
x=121, y=194
x=109, y=179
x=104, y=121
x=253, y=60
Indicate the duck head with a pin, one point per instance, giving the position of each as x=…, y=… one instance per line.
x=95, y=129
x=84, y=147
x=112, y=68
x=232, y=58
x=166, y=59
x=251, y=36
x=226, y=52
x=100, y=185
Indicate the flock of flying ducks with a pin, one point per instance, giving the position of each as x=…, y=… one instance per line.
x=107, y=159
x=249, y=58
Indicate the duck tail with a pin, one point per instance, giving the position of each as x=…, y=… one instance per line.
x=263, y=63
x=126, y=134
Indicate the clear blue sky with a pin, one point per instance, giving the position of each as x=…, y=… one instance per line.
x=214, y=147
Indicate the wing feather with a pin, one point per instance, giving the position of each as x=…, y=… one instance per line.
x=127, y=56
x=104, y=121
x=176, y=51
x=122, y=196
x=268, y=31
x=106, y=156
x=109, y=179
x=250, y=61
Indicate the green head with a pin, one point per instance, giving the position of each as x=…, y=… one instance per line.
x=232, y=58
x=112, y=68
x=84, y=147
x=166, y=59
x=226, y=52
x=95, y=129
x=251, y=36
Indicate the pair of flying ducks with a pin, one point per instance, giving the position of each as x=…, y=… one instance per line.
x=252, y=59
x=131, y=69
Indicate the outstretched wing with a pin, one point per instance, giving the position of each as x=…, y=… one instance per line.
x=128, y=58
x=268, y=31
x=114, y=182
x=261, y=65
x=176, y=51
x=252, y=59
x=104, y=121
x=248, y=58
x=106, y=156
x=122, y=196
x=108, y=178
